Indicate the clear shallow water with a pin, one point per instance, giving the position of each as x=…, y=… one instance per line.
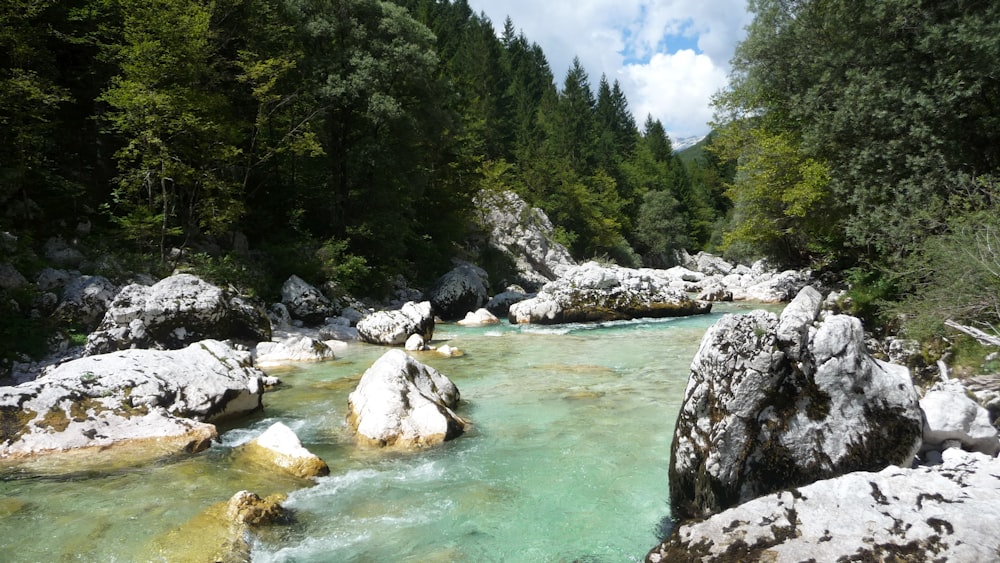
x=566, y=460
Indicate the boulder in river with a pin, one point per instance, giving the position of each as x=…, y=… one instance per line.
x=403, y=403
x=279, y=447
x=295, y=349
x=593, y=293
x=131, y=400
x=173, y=313
x=943, y=513
x=463, y=289
x=777, y=402
x=393, y=328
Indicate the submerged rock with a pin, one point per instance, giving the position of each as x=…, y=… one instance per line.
x=393, y=328
x=172, y=314
x=591, y=293
x=138, y=399
x=280, y=448
x=223, y=533
x=944, y=513
x=403, y=403
x=773, y=403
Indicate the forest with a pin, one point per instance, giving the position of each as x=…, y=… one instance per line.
x=347, y=140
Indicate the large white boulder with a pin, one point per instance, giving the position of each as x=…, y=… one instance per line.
x=942, y=513
x=130, y=397
x=172, y=314
x=401, y=402
x=393, y=328
x=292, y=350
x=591, y=292
x=772, y=403
x=950, y=415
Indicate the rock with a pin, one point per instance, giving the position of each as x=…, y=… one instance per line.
x=450, y=351
x=776, y=403
x=140, y=399
x=525, y=236
x=61, y=254
x=85, y=300
x=945, y=513
x=712, y=265
x=402, y=403
x=343, y=332
x=223, y=533
x=715, y=292
x=500, y=303
x=10, y=278
x=392, y=328
x=592, y=292
x=279, y=316
x=481, y=317
x=305, y=302
x=986, y=390
x=415, y=343
x=296, y=349
x=50, y=279
x=461, y=290
x=777, y=288
x=279, y=447
x=173, y=313
x=951, y=415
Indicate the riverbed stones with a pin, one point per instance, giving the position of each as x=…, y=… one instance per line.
x=465, y=288
x=593, y=293
x=279, y=447
x=773, y=403
x=393, y=328
x=130, y=398
x=403, y=403
x=173, y=313
x=942, y=513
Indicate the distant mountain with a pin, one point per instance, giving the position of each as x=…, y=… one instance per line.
x=686, y=142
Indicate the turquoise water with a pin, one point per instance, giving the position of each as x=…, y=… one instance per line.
x=566, y=461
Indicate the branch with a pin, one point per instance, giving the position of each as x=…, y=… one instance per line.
x=980, y=336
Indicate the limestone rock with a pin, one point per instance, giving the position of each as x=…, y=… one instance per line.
x=296, y=349
x=525, y=235
x=10, y=278
x=500, y=303
x=777, y=288
x=305, y=302
x=392, y=328
x=777, y=403
x=712, y=265
x=592, y=292
x=172, y=314
x=463, y=289
x=715, y=292
x=951, y=415
x=944, y=513
x=415, y=343
x=85, y=300
x=60, y=253
x=279, y=447
x=129, y=398
x=480, y=317
x=403, y=403
x=343, y=332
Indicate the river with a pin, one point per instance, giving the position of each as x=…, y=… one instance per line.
x=566, y=460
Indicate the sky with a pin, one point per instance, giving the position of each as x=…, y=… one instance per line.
x=669, y=56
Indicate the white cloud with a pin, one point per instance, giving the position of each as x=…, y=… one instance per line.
x=674, y=87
